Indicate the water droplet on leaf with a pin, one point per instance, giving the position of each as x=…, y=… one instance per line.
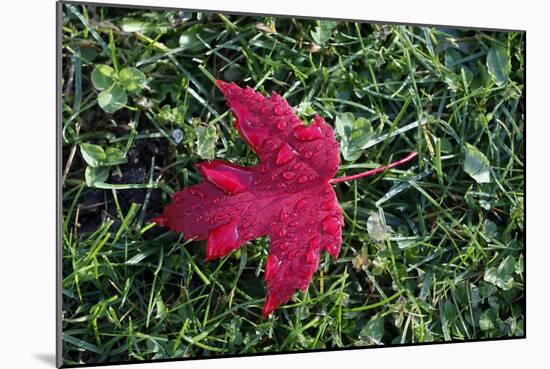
x=310, y=133
x=285, y=154
x=282, y=215
x=331, y=225
x=277, y=109
x=300, y=204
x=288, y=175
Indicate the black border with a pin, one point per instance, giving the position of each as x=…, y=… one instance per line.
x=59, y=243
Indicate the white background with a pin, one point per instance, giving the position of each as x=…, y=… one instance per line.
x=27, y=180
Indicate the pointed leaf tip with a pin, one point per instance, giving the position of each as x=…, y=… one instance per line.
x=227, y=88
x=270, y=304
x=221, y=84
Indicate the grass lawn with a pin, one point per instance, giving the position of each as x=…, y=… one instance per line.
x=432, y=251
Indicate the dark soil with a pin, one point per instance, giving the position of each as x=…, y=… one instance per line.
x=98, y=205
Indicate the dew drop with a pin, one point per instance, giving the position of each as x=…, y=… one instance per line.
x=281, y=125
x=281, y=232
x=216, y=200
x=282, y=215
x=293, y=223
x=300, y=205
x=331, y=225
x=310, y=133
x=277, y=109
x=246, y=225
x=312, y=256
x=328, y=205
x=314, y=242
x=288, y=175
x=332, y=249
x=264, y=169
x=302, y=179
x=308, y=154
x=285, y=154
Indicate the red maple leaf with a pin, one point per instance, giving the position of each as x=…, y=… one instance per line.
x=287, y=196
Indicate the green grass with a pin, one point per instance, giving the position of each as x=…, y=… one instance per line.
x=432, y=251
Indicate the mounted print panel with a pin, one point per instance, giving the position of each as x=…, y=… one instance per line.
x=248, y=184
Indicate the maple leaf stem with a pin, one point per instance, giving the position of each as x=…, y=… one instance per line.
x=374, y=171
